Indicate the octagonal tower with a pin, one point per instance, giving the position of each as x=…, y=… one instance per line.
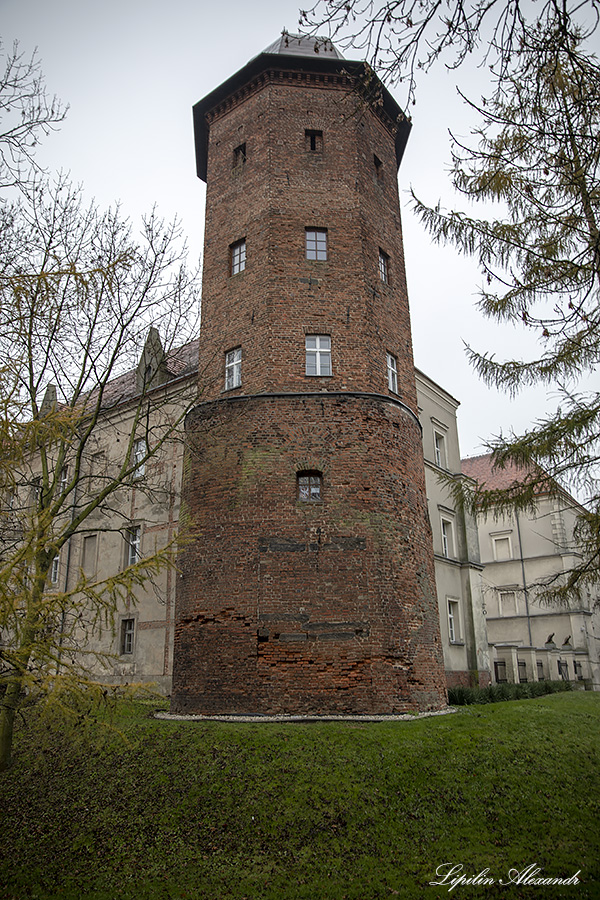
x=308, y=586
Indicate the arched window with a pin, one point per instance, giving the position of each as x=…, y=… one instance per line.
x=310, y=486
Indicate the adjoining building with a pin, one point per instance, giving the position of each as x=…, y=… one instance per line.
x=458, y=569
x=523, y=553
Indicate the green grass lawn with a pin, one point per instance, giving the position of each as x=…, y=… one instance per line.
x=316, y=811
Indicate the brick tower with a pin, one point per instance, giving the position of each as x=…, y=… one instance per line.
x=308, y=586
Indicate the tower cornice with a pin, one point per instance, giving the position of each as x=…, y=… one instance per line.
x=273, y=68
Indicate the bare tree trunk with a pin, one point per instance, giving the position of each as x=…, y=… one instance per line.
x=8, y=711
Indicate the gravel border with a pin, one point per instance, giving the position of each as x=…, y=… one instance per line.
x=259, y=719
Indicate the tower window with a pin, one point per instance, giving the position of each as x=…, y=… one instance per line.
x=378, y=169
x=313, y=141
x=318, y=354
x=392, y=373
x=233, y=368
x=316, y=244
x=239, y=156
x=310, y=486
x=238, y=257
x=127, y=635
x=384, y=267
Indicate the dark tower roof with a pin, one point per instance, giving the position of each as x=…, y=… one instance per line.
x=314, y=54
x=300, y=45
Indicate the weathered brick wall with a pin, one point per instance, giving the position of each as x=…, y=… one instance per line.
x=282, y=189
x=284, y=605
x=294, y=606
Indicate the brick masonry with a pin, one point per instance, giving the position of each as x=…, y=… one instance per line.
x=285, y=605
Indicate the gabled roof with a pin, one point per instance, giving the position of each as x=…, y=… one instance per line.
x=179, y=362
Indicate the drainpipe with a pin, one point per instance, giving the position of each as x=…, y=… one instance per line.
x=67, y=568
x=525, y=591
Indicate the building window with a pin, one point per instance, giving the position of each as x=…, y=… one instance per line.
x=233, y=368
x=507, y=603
x=140, y=450
x=64, y=478
x=310, y=486
x=453, y=621
x=238, y=257
x=502, y=547
x=500, y=671
x=313, y=140
x=563, y=669
x=239, y=156
x=54, y=570
x=578, y=669
x=127, y=635
x=318, y=354
x=447, y=538
x=392, y=373
x=540, y=670
x=384, y=267
x=134, y=544
x=439, y=449
x=89, y=553
x=316, y=244
x=378, y=169
x=522, y=668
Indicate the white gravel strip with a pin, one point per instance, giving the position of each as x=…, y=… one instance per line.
x=404, y=717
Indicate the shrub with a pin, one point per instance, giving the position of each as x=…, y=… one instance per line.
x=464, y=696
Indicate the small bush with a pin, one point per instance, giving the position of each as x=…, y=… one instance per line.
x=495, y=693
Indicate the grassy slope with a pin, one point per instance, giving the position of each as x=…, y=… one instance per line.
x=316, y=811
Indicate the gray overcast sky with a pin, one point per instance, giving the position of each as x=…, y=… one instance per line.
x=131, y=70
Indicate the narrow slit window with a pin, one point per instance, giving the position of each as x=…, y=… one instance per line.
x=313, y=140
x=378, y=168
x=239, y=156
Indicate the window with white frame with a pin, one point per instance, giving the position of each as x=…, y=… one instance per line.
x=140, y=450
x=316, y=243
x=310, y=486
x=318, y=354
x=392, y=373
x=127, y=636
x=439, y=449
x=238, y=257
x=384, y=266
x=233, y=368
x=54, y=570
x=502, y=546
x=134, y=544
x=453, y=620
x=64, y=478
x=447, y=538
